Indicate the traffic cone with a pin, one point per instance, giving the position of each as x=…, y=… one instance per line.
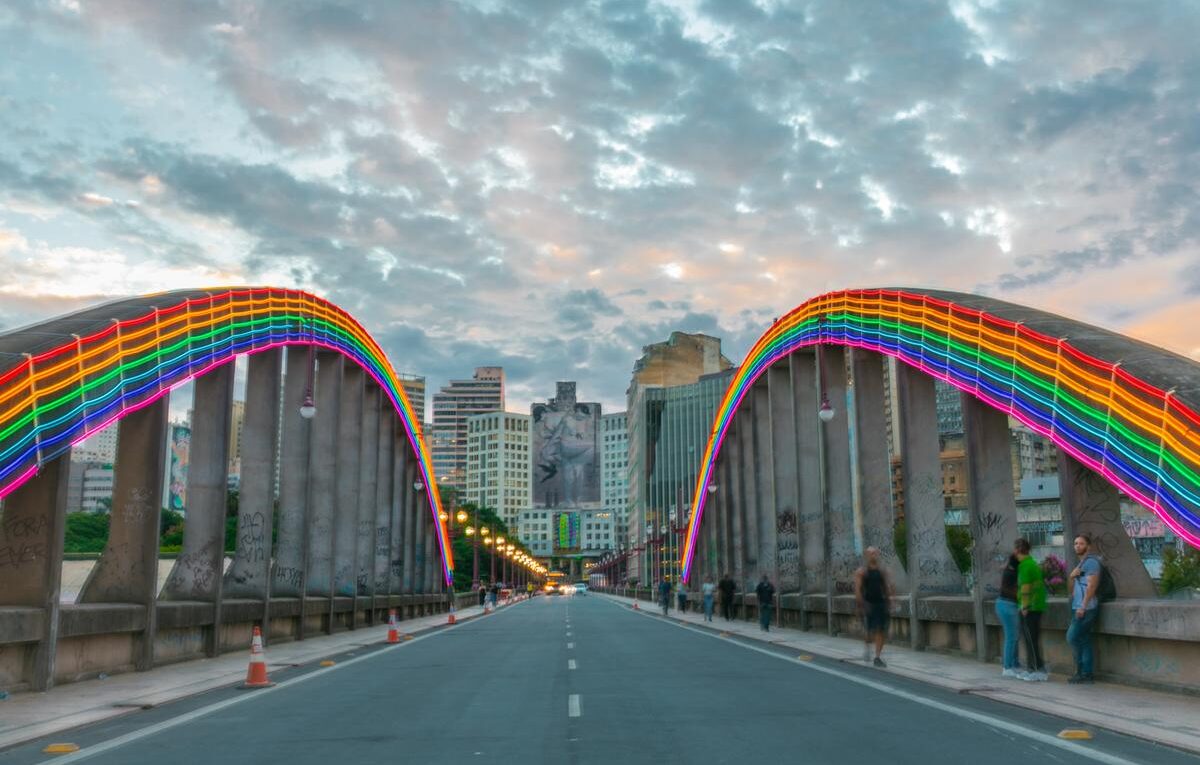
x=256, y=675
x=450, y=620
x=393, y=635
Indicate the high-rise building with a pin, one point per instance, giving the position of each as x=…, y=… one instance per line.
x=949, y=408
x=414, y=388
x=99, y=447
x=676, y=389
x=236, y=422
x=498, y=464
x=614, y=473
x=452, y=405
x=97, y=488
x=565, y=464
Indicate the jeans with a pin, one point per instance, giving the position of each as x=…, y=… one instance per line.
x=1010, y=617
x=1031, y=628
x=708, y=608
x=1079, y=635
x=764, y=616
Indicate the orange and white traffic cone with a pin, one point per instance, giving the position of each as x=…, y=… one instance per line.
x=393, y=635
x=450, y=619
x=256, y=675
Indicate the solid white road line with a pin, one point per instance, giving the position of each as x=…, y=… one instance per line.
x=570, y=664
x=570, y=646
x=150, y=730
x=979, y=717
x=573, y=705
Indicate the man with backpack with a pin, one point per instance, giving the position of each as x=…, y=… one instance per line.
x=1084, y=582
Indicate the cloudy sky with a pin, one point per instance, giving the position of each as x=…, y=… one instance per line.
x=549, y=186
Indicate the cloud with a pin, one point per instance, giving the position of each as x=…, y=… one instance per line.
x=552, y=186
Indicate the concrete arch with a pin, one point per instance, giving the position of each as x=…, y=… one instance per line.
x=66, y=378
x=1127, y=410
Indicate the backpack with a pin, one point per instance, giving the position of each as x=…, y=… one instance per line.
x=1107, y=589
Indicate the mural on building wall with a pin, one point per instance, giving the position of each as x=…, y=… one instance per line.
x=181, y=446
x=566, y=532
x=566, y=462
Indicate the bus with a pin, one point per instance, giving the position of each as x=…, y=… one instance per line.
x=554, y=580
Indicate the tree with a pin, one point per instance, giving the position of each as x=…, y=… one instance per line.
x=86, y=532
x=1180, y=571
x=958, y=541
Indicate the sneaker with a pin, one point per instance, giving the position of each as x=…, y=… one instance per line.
x=880, y=662
x=1022, y=675
x=1037, y=677
x=1011, y=673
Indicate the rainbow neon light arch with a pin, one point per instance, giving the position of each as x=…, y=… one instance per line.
x=1125, y=409
x=67, y=378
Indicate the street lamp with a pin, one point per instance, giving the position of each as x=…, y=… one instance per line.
x=826, y=411
x=308, y=409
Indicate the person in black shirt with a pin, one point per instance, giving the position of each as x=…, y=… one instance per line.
x=872, y=588
x=1010, y=616
x=726, y=587
x=765, y=592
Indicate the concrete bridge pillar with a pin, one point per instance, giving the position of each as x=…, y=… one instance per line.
x=395, y=564
x=811, y=518
x=426, y=555
x=385, y=482
x=198, y=571
x=411, y=502
x=368, y=464
x=1092, y=506
x=839, y=489
x=874, y=462
x=345, y=515
x=785, y=467
x=764, y=483
x=747, y=500
x=993, y=507
x=249, y=573
x=291, y=548
x=32, y=525
x=127, y=571
x=322, y=475
x=931, y=569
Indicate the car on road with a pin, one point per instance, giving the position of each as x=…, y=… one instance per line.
x=581, y=588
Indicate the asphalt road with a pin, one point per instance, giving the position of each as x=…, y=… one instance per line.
x=584, y=680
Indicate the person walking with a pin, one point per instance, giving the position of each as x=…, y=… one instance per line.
x=707, y=590
x=664, y=596
x=727, y=587
x=681, y=594
x=872, y=588
x=1084, y=581
x=765, y=592
x=1009, y=614
x=482, y=594
x=1032, y=595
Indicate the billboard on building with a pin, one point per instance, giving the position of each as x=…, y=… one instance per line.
x=181, y=446
x=566, y=532
x=566, y=462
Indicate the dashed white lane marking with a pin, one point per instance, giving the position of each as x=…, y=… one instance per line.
x=568, y=633
x=573, y=705
x=570, y=664
x=570, y=646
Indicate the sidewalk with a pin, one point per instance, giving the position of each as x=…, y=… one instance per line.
x=26, y=716
x=1166, y=718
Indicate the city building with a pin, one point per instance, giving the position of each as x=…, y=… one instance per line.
x=99, y=447
x=96, y=491
x=565, y=472
x=560, y=533
x=452, y=405
x=949, y=408
x=498, y=465
x=414, y=388
x=614, y=472
x=672, y=399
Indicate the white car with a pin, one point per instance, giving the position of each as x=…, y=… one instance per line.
x=581, y=588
